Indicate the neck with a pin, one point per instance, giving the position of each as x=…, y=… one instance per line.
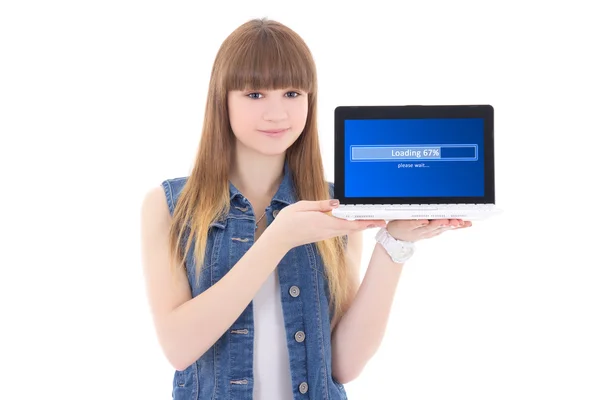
x=256, y=176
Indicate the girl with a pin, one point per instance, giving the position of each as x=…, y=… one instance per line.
x=262, y=299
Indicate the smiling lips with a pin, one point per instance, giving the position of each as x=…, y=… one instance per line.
x=274, y=131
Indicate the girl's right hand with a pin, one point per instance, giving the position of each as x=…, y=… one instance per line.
x=308, y=222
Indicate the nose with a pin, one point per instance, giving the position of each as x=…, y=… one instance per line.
x=275, y=110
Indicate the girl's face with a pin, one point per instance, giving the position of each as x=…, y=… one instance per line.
x=267, y=121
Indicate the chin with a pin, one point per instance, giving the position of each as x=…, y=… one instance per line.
x=271, y=151
x=275, y=148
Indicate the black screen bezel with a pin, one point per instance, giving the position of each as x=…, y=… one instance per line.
x=485, y=111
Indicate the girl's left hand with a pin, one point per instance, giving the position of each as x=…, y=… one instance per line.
x=415, y=230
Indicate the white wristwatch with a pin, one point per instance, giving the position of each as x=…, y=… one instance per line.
x=399, y=250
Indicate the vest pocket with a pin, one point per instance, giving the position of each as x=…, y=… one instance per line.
x=340, y=388
x=185, y=383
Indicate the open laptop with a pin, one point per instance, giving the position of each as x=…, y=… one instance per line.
x=415, y=162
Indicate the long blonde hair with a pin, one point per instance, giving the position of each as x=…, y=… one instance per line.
x=260, y=54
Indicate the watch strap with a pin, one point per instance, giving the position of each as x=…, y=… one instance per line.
x=390, y=244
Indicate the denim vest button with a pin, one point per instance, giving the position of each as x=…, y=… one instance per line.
x=303, y=387
x=299, y=336
x=275, y=213
x=294, y=291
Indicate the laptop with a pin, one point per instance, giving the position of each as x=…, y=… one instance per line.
x=414, y=162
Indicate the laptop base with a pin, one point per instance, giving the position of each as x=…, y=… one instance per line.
x=388, y=212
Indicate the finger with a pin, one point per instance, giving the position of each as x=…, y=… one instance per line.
x=376, y=223
x=465, y=224
x=435, y=224
x=319, y=205
x=359, y=225
x=419, y=223
x=455, y=223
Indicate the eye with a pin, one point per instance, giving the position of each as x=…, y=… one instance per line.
x=254, y=95
x=292, y=94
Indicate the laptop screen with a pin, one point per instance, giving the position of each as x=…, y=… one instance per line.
x=440, y=157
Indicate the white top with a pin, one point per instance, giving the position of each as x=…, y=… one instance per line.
x=272, y=376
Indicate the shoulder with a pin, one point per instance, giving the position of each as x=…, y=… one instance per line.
x=155, y=209
x=172, y=189
x=155, y=223
x=158, y=203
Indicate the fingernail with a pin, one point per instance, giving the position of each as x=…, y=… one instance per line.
x=334, y=203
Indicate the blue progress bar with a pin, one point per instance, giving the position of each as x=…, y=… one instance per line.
x=446, y=152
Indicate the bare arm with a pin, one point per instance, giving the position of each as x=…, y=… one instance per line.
x=187, y=327
x=360, y=331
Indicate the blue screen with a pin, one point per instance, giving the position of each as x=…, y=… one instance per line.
x=414, y=157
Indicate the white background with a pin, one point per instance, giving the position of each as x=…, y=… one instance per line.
x=100, y=101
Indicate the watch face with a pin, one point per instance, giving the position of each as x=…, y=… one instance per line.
x=399, y=251
x=403, y=253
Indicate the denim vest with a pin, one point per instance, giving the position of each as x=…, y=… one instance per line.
x=225, y=370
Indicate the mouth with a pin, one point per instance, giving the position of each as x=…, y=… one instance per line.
x=272, y=132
